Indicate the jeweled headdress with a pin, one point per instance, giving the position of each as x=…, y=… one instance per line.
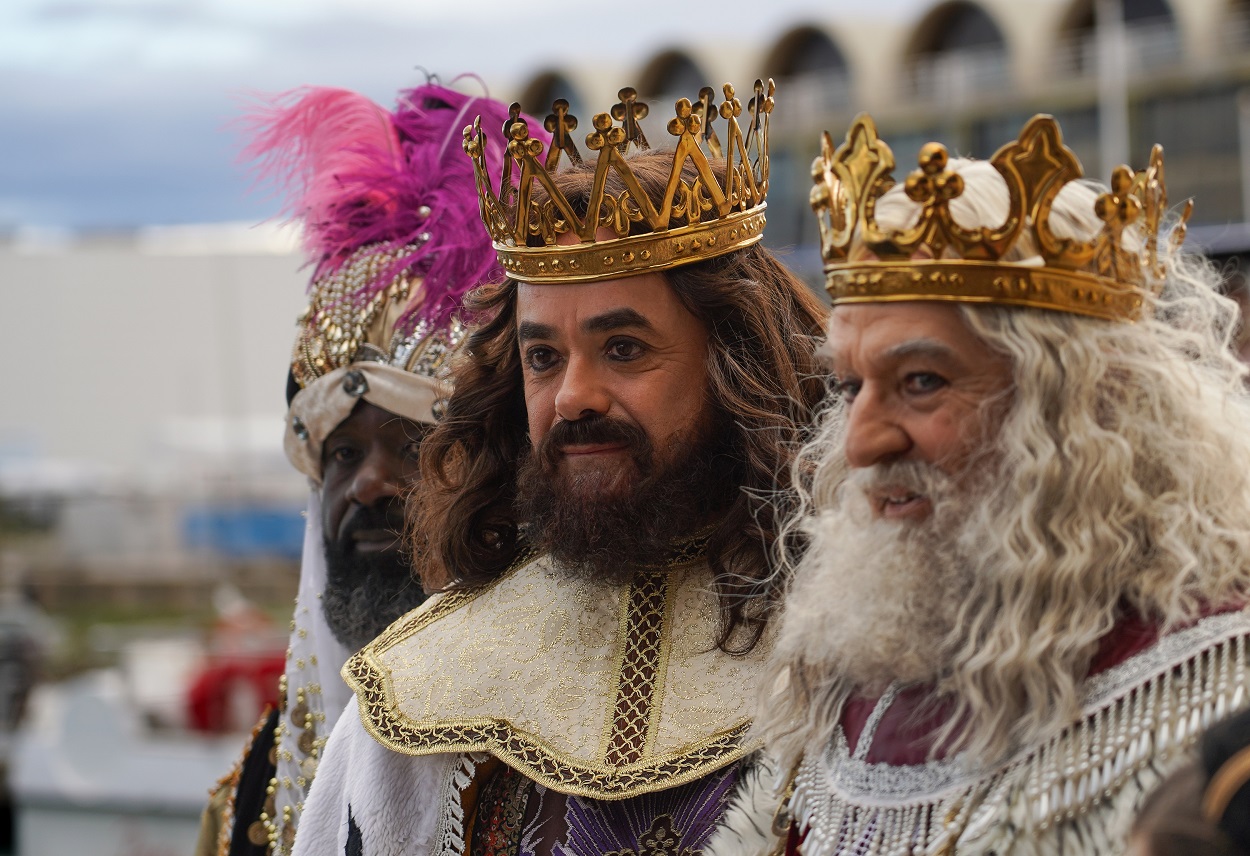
x=716, y=212
x=382, y=199
x=1106, y=277
x=389, y=210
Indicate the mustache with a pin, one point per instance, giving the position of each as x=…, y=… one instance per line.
x=916, y=476
x=383, y=515
x=593, y=430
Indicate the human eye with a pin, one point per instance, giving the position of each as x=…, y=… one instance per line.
x=847, y=388
x=342, y=453
x=540, y=358
x=923, y=383
x=624, y=350
x=411, y=450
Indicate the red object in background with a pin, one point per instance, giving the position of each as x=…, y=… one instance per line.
x=240, y=678
x=234, y=688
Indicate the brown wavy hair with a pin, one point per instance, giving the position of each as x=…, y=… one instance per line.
x=763, y=379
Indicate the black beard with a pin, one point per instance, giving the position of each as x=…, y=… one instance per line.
x=605, y=528
x=365, y=592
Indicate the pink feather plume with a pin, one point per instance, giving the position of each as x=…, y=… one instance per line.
x=358, y=175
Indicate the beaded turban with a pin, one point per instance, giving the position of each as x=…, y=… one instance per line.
x=391, y=230
x=392, y=233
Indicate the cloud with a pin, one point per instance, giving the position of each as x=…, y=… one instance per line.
x=115, y=110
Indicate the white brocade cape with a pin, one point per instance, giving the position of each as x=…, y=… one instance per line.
x=1075, y=794
x=604, y=692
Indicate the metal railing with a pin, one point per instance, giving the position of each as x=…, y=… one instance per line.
x=809, y=99
x=1149, y=47
x=954, y=78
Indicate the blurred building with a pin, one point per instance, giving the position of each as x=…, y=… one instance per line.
x=1119, y=75
x=141, y=440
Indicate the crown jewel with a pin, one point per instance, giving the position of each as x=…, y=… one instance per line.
x=698, y=218
x=1100, y=277
x=350, y=320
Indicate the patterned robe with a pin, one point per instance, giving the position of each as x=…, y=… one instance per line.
x=876, y=789
x=540, y=714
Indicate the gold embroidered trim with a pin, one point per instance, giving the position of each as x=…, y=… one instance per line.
x=221, y=801
x=434, y=609
x=529, y=755
x=626, y=770
x=644, y=638
x=228, y=787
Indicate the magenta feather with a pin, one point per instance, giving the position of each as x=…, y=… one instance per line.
x=358, y=175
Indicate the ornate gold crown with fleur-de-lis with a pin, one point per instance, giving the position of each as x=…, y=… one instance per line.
x=936, y=258
x=707, y=209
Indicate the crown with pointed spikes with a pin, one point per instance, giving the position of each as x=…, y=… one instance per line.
x=1099, y=278
x=697, y=219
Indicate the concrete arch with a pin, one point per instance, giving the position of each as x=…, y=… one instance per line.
x=544, y=88
x=805, y=49
x=956, y=25
x=672, y=71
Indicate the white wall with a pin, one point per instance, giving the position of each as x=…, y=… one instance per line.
x=138, y=352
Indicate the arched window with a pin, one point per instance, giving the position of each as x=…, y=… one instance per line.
x=813, y=75
x=957, y=51
x=672, y=75
x=965, y=27
x=1237, y=25
x=541, y=92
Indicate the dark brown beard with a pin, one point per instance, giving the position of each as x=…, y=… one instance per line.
x=605, y=526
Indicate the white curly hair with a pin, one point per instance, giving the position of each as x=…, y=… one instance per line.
x=1120, y=483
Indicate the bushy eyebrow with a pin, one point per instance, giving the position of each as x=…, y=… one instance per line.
x=930, y=348
x=616, y=319
x=527, y=330
x=919, y=348
x=605, y=322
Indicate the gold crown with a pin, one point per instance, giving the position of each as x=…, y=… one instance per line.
x=1099, y=278
x=696, y=220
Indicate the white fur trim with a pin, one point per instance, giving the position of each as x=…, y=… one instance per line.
x=747, y=826
x=393, y=799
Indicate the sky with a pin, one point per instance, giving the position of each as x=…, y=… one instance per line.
x=116, y=113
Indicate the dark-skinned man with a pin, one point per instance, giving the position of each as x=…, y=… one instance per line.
x=392, y=231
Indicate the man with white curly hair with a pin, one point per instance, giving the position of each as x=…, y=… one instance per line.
x=1022, y=518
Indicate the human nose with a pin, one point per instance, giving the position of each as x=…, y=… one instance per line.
x=873, y=435
x=376, y=479
x=582, y=392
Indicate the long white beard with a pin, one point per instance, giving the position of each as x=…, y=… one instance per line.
x=875, y=601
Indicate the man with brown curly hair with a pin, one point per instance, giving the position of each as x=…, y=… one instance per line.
x=594, y=506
